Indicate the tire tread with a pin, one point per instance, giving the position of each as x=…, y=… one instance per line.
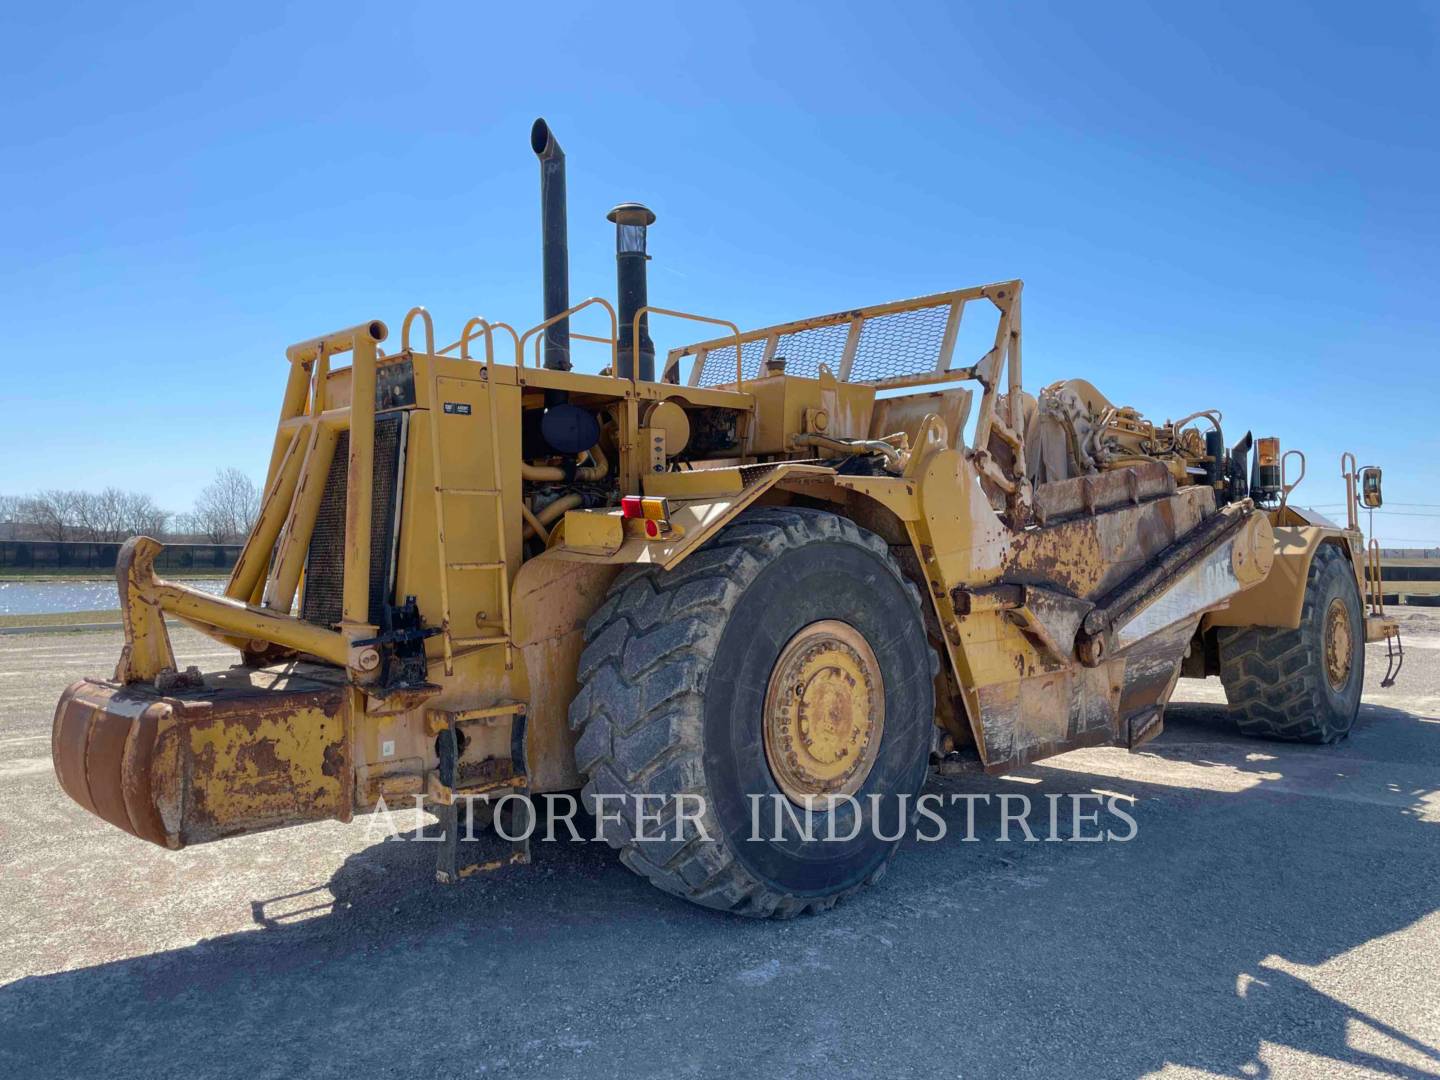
x=648, y=651
x=1274, y=678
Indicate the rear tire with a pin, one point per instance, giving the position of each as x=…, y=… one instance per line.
x=1301, y=685
x=677, y=681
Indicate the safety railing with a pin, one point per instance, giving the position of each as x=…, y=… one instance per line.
x=474, y=328
x=734, y=330
x=479, y=327
x=1374, y=584
x=1352, y=507
x=612, y=340
x=901, y=343
x=429, y=330
x=1286, y=487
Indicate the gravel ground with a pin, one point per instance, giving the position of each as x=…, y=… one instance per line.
x=1276, y=915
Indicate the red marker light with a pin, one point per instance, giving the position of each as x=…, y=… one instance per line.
x=653, y=510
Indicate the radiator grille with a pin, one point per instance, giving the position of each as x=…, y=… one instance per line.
x=321, y=600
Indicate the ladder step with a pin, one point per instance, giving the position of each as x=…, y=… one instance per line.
x=475, y=565
x=467, y=491
x=501, y=640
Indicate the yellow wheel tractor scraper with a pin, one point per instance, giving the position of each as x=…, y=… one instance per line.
x=805, y=562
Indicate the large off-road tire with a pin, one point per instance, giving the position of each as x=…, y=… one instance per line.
x=678, y=685
x=1302, y=685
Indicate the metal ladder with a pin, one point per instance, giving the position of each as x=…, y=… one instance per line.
x=1374, y=585
x=500, y=568
x=1375, y=599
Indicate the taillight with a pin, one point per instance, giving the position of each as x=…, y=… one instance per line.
x=653, y=511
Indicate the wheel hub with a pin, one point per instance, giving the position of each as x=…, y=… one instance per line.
x=824, y=712
x=1339, y=645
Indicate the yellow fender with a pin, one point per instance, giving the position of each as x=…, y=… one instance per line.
x=1277, y=600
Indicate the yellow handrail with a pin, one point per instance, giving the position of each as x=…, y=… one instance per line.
x=734, y=330
x=612, y=340
x=1351, y=509
x=338, y=342
x=429, y=330
x=995, y=292
x=1286, y=489
x=1376, y=586
x=475, y=328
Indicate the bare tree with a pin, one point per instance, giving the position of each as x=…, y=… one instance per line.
x=51, y=514
x=142, y=515
x=103, y=517
x=184, y=526
x=98, y=515
x=227, y=507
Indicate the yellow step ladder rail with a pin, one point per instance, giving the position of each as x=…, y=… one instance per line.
x=1394, y=647
x=1373, y=584
x=450, y=641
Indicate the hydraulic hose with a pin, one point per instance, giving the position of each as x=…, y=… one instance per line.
x=894, y=462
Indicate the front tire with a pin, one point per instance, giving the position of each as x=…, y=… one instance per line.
x=694, y=682
x=1301, y=685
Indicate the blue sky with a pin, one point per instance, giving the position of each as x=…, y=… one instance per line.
x=1212, y=205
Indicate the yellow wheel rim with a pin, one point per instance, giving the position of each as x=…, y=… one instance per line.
x=1339, y=644
x=824, y=712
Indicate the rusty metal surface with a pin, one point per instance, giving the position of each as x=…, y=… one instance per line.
x=1062, y=499
x=1026, y=593
x=1051, y=618
x=1160, y=570
x=147, y=649
x=245, y=751
x=1089, y=555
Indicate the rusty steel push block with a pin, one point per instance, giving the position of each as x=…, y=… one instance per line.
x=228, y=756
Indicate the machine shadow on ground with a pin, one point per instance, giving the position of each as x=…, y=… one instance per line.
x=1187, y=945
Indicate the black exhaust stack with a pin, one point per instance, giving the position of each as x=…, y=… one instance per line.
x=566, y=429
x=556, y=246
x=637, y=358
